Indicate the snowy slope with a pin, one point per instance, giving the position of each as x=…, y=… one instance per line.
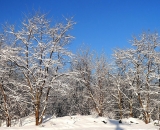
x=83, y=123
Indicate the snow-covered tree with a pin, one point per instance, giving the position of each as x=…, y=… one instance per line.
x=41, y=59
x=119, y=88
x=141, y=73
x=10, y=107
x=93, y=72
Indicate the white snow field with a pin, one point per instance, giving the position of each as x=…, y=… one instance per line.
x=79, y=122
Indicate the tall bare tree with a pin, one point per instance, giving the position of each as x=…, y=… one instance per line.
x=42, y=58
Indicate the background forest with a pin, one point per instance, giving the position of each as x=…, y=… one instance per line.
x=40, y=76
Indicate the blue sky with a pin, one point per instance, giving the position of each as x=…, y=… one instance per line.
x=103, y=25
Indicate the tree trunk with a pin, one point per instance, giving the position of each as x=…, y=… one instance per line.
x=131, y=109
x=37, y=114
x=8, y=122
x=8, y=118
x=146, y=115
x=100, y=114
x=120, y=104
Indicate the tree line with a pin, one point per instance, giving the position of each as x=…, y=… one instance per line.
x=39, y=76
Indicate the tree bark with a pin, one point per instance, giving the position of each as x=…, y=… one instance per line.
x=131, y=109
x=146, y=115
x=37, y=107
x=8, y=118
x=120, y=104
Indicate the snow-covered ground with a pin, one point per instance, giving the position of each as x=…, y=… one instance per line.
x=79, y=122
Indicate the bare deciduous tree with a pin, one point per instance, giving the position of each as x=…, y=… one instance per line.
x=42, y=58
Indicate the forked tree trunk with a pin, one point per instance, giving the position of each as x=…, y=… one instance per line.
x=38, y=113
x=98, y=108
x=146, y=115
